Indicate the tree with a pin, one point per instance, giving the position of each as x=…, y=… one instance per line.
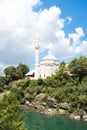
x=22, y=69
x=40, y=82
x=78, y=67
x=15, y=73
x=10, y=73
x=61, y=73
x=62, y=70
x=10, y=118
x=2, y=83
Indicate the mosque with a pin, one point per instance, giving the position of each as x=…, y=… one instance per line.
x=44, y=68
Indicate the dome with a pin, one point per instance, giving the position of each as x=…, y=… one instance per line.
x=49, y=57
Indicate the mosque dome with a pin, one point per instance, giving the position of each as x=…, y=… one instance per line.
x=49, y=60
x=49, y=57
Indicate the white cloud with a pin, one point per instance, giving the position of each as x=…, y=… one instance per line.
x=75, y=37
x=49, y=23
x=1, y=65
x=82, y=49
x=69, y=19
x=19, y=24
x=79, y=31
x=17, y=28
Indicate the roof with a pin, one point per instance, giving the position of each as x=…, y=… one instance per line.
x=2, y=75
x=49, y=57
x=30, y=73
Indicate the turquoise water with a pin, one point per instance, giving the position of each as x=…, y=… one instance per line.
x=36, y=121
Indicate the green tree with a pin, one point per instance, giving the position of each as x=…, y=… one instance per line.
x=22, y=69
x=2, y=83
x=40, y=81
x=15, y=73
x=10, y=118
x=78, y=67
x=10, y=73
x=61, y=71
x=61, y=74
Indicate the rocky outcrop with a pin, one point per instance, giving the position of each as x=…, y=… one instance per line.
x=41, y=107
x=64, y=105
x=40, y=97
x=48, y=105
x=43, y=104
x=85, y=117
x=49, y=111
x=75, y=116
x=62, y=111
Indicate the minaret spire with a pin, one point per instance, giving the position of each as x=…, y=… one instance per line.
x=37, y=57
x=37, y=49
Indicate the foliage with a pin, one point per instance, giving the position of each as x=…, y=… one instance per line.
x=23, y=69
x=40, y=81
x=60, y=94
x=2, y=83
x=10, y=73
x=61, y=71
x=69, y=84
x=78, y=67
x=15, y=73
x=33, y=83
x=10, y=118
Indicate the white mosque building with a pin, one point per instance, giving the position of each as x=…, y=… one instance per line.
x=44, y=68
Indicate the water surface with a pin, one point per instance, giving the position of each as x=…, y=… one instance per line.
x=37, y=121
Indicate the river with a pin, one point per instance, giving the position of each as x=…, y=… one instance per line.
x=37, y=121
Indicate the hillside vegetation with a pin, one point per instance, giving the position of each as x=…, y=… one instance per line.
x=69, y=84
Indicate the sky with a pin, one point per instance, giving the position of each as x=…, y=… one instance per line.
x=60, y=24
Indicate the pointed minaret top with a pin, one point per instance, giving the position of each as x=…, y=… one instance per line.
x=49, y=53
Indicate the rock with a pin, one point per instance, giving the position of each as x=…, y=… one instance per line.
x=64, y=106
x=39, y=107
x=85, y=117
x=62, y=111
x=51, y=99
x=27, y=103
x=40, y=97
x=55, y=105
x=75, y=116
x=51, y=102
x=43, y=104
x=50, y=111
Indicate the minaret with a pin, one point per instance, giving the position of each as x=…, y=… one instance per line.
x=37, y=58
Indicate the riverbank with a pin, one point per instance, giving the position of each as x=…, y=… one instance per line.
x=53, y=112
x=49, y=106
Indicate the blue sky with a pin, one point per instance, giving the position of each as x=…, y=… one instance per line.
x=61, y=25
x=76, y=9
